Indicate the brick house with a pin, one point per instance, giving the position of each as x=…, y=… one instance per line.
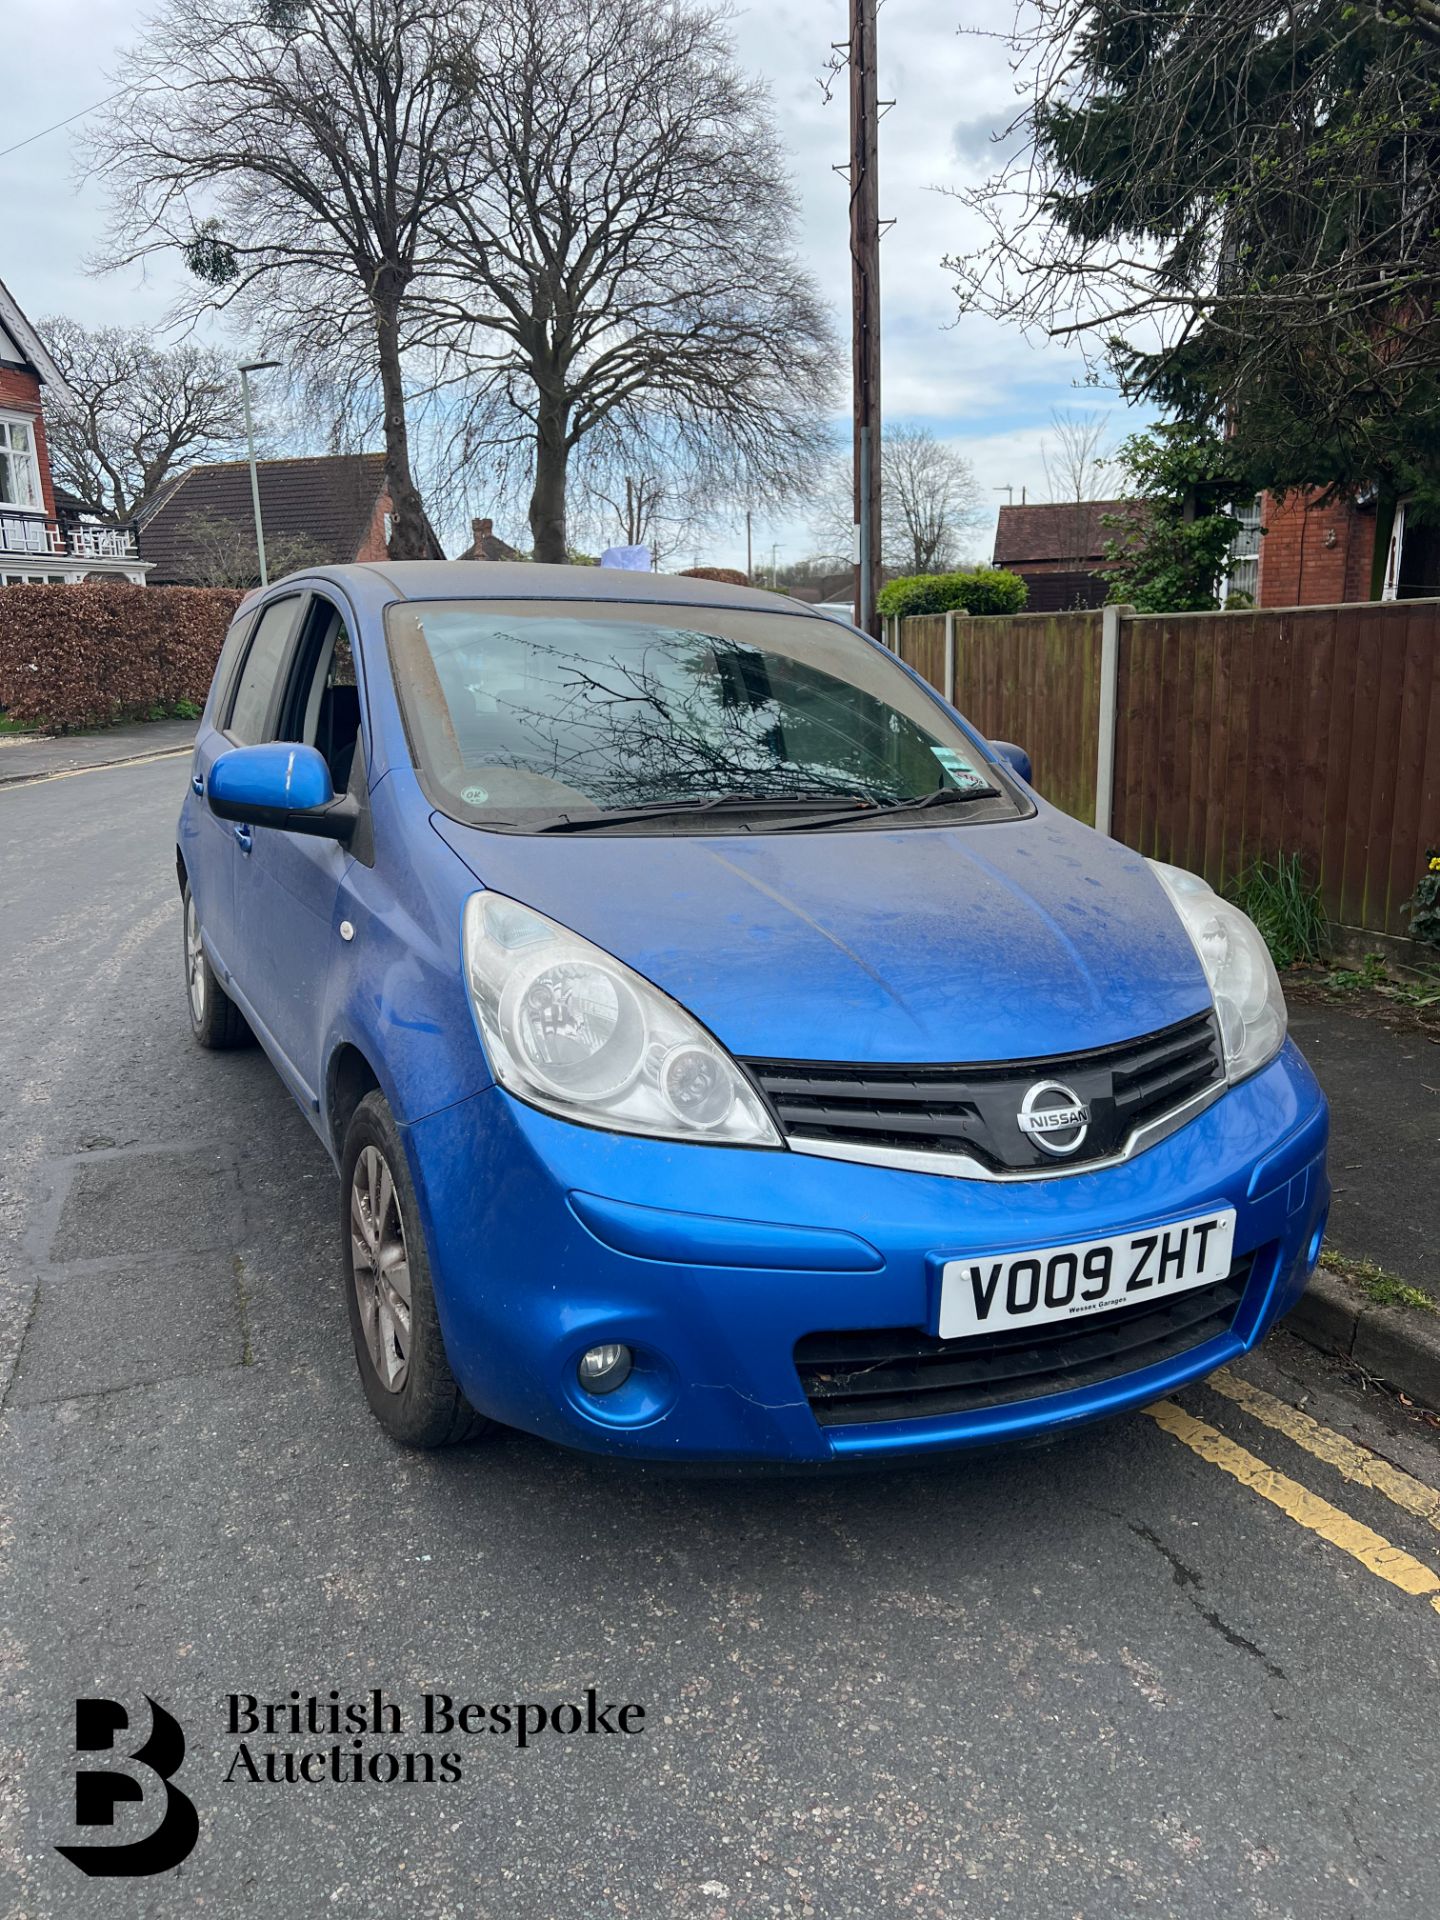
x=486, y=544
x=1295, y=552
x=338, y=505
x=1300, y=552
x=1057, y=547
x=44, y=541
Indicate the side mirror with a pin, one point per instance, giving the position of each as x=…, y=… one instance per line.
x=1016, y=757
x=280, y=784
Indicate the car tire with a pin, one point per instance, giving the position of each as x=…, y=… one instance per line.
x=215, y=1020
x=398, y=1345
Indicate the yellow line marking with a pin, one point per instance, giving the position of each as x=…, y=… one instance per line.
x=1354, y=1462
x=1306, y=1509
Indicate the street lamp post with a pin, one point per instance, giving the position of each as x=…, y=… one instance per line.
x=255, y=366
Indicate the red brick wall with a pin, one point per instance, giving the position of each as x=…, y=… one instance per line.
x=1313, y=555
x=20, y=393
x=372, y=546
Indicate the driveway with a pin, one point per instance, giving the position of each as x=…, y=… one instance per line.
x=1179, y=1665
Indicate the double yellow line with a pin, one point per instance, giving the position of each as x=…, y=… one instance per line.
x=1355, y=1463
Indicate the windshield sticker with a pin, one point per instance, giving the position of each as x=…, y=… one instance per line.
x=474, y=796
x=957, y=766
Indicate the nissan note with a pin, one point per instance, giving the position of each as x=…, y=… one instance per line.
x=727, y=1053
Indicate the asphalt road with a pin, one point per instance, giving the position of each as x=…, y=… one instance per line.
x=1129, y=1674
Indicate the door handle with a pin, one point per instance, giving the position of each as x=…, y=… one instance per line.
x=197, y=782
x=245, y=837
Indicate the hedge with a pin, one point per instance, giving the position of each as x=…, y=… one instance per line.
x=725, y=576
x=93, y=655
x=968, y=590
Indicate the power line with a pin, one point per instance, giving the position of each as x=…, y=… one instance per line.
x=95, y=108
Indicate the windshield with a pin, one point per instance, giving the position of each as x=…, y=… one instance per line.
x=521, y=714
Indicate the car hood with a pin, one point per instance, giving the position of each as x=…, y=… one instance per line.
x=996, y=942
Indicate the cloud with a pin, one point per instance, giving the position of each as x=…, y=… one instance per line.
x=983, y=386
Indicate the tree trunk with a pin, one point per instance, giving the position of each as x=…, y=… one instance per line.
x=409, y=536
x=547, y=502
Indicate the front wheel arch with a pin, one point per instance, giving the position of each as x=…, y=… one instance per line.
x=349, y=1077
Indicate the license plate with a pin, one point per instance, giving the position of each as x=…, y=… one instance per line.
x=990, y=1294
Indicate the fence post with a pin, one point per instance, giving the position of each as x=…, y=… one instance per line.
x=949, y=687
x=1105, y=743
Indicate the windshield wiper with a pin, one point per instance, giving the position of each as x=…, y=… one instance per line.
x=942, y=796
x=849, y=804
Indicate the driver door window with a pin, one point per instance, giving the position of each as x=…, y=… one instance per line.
x=322, y=704
x=254, y=698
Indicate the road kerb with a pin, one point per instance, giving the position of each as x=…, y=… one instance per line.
x=1399, y=1345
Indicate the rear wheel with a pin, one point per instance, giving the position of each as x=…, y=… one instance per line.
x=396, y=1329
x=215, y=1020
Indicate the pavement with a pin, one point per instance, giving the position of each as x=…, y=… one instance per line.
x=1383, y=1082
x=1384, y=1093
x=1184, y=1664
x=34, y=756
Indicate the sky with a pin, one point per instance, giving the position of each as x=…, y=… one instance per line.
x=980, y=386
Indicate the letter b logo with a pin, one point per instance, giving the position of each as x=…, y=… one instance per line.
x=96, y=1794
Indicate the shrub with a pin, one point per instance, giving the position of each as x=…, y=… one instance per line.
x=94, y=655
x=967, y=590
x=1423, y=906
x=1289, y=913
x=727, y=576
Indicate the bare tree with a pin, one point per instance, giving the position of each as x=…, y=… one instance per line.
x=929, y=496
x=213, y=552
x=134, y=413
x=1072, y=458
x=620, y=242
x=624, y=500
x=295, y=152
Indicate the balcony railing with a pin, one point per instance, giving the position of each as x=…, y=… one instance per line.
x=28, y=533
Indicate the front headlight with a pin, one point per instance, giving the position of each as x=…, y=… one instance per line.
x=1248, y=1001
x=573, y=1030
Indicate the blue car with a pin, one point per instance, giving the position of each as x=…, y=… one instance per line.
x=727, y=1054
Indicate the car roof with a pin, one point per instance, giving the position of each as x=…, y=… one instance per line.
x=528, y=580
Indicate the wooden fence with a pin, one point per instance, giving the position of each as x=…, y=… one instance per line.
x=1309, y=730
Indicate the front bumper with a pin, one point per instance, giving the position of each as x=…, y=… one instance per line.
x=712, y=1262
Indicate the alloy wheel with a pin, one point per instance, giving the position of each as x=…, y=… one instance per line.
x=194, y=962
x=381, y=1267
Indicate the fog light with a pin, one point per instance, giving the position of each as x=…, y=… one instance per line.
x=603, y=1369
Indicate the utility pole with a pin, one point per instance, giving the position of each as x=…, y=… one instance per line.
x=865, y=298
x=749, y=559
x=255, y=366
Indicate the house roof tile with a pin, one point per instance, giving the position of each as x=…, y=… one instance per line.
x=1066, y=530
x=37, y=355
x=329, y=499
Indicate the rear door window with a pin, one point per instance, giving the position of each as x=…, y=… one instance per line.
x=230, y=652
x=253, y=708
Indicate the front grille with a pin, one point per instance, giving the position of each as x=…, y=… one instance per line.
x=973, y=1110
x=898, y=1373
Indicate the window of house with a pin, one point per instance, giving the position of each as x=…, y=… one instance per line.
x=1242, y=572
x=19, y=469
